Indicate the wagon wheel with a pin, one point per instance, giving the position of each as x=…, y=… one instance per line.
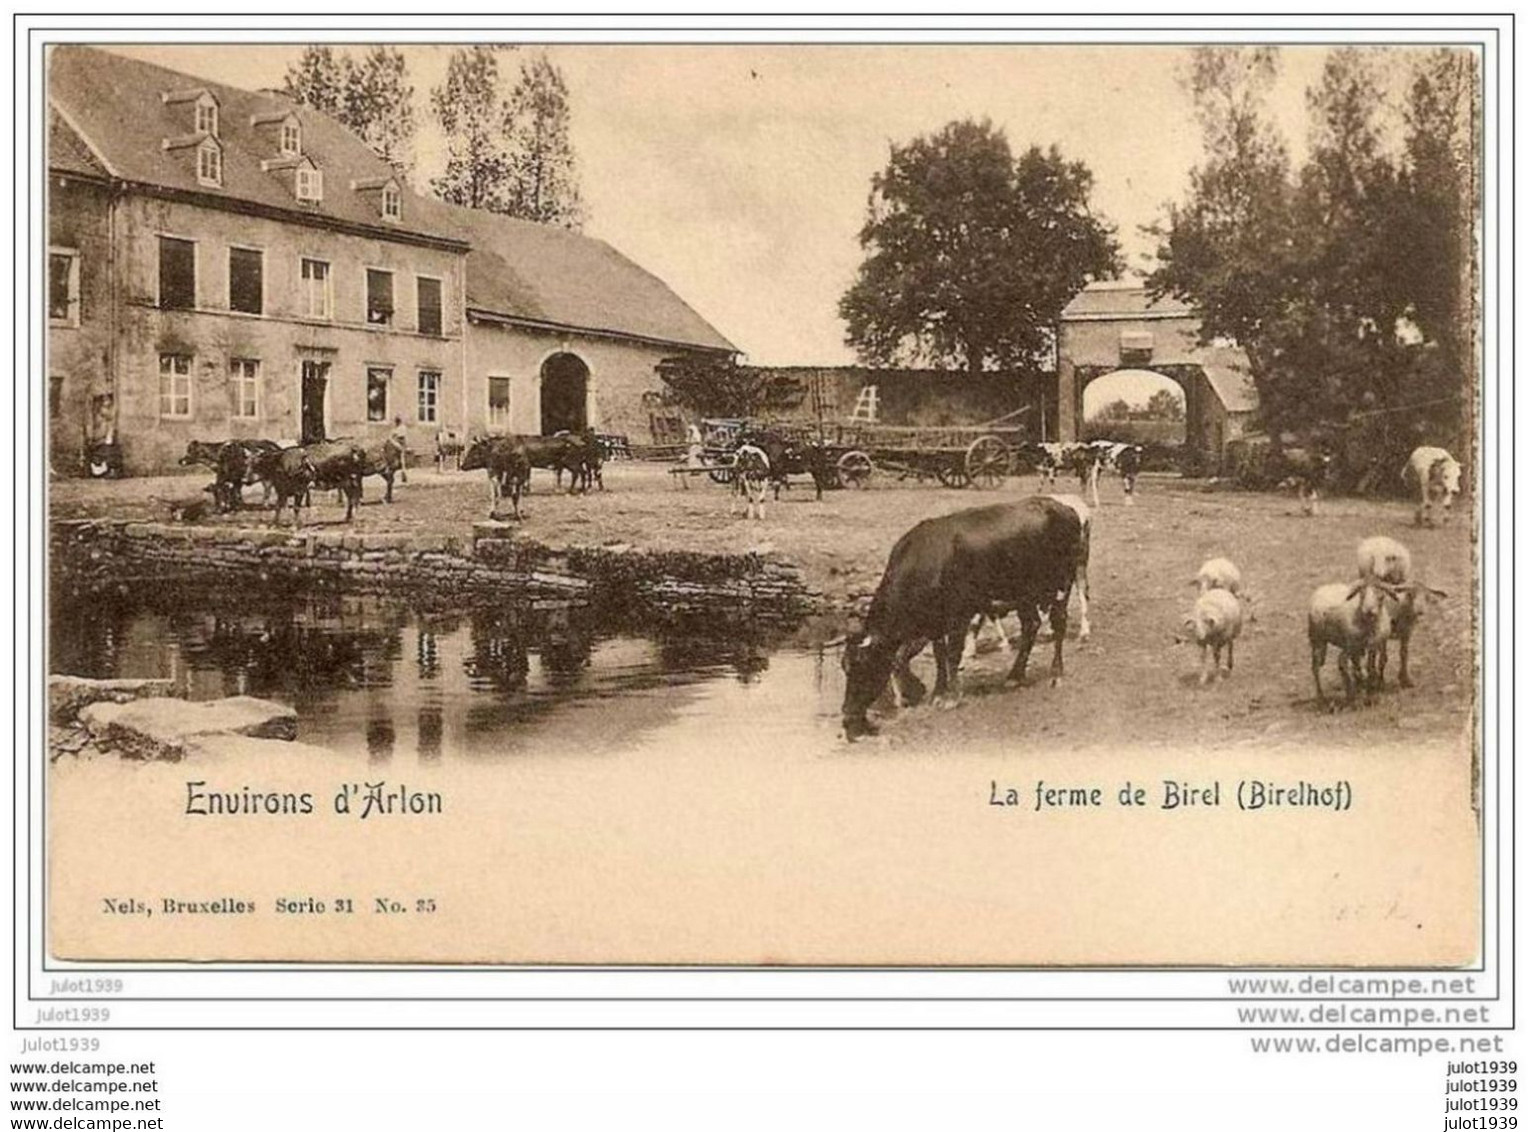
x=722, y=473
x=988, y=461
x=854, y=469
x=952, y=475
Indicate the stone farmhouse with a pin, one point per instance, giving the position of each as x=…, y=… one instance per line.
x=228, y=263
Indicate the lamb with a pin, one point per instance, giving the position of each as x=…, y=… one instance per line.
x=1389, y=561
x=1356, y=618
x=1215, y=624
x=1219, y=574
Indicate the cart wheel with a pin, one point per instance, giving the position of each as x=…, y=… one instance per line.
x=854, y=469
x=722, y=474
x=988, y=461
x=952, y=475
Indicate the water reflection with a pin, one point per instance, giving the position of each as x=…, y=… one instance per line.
x=379, y=678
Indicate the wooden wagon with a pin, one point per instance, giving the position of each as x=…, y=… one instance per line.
x=955, y=455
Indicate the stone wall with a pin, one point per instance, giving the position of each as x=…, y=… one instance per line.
x=90, y=553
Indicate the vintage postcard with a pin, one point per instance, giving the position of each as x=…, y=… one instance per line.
x=996, y=505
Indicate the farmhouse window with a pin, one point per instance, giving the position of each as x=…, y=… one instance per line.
x=177, y=274
x=310, y=184
x=429, y=396
x=379, y=297
x=429, y=306
x=291, y=139
x=64, y=288
x=378, y=379
x=209, y=165
x=174, y=385
x=206, y=117
x=246, y=280
x=317, y=297
x=498, y=402
x=244, y=387
x=392, y=203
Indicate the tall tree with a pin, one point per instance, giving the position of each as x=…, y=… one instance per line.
x=970, y=254
x=542, y=172
x=470, y=109
x=379, y=105
x=373, y=98
x=1226, y=248
x=317, y=79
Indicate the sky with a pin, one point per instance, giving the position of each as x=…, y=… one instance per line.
x=740, y=174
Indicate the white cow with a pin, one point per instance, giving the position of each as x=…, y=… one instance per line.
x=1437, y=476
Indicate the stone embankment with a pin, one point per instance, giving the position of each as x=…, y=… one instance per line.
x=139, y=719
x=92, y=552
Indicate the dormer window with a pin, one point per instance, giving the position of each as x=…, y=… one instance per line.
x=392, y=203
x=207, y=116
x=291, y=138
x=209, y=164
x=310, y=183
x=383, y=194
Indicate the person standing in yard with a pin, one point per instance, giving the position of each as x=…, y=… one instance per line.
x=694, y=455
x=401, y=439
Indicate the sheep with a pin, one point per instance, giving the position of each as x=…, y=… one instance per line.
x=1389, y=561
x=1214, y=625
x=1355, y=618
x=1222, y=574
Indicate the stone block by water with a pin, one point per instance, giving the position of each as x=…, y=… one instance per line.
x=162, y=728
x=67, y=695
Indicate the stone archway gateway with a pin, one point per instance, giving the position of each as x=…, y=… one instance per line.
x=1116, y=326
x=564, y=394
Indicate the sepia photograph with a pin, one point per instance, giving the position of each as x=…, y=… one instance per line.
x=814, y=505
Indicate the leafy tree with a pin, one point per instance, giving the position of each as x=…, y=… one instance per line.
x=317, y=79
x=542, y=181
x=470, y=111
x=379, y=105
x=1164, y=405
x=373, y=98
x=1117, y=410
x=713, y=387
x=971, y=255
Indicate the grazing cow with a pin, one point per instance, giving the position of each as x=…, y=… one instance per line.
x=1088, y=461
x=380, y=456
x=1081, y=587
x=584, y=458
x=507, y=464
x=1305, y=468
x=1048, y=458
x=338, y=466
x=941, y=574
x=290, y=473
x=563, y=452
x=751, y=476
x=1437, y=474
x=1128, y=462
x=790, y=457
x=233, y=463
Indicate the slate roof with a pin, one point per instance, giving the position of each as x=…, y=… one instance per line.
x=549, y=276
x=117, y=105
x=516, y=269
x=1120, y=299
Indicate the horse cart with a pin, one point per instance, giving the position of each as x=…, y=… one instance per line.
x=855, y=451
x=981, y=455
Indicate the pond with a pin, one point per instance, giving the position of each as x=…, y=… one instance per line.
x=387, y=680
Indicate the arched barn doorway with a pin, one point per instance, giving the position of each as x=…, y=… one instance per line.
x=564, y=394
x=1137, y=406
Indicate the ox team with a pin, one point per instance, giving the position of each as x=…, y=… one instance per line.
x=948, y=573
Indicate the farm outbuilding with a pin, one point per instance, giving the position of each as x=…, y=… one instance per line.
x=1117, y=326
x=228, y=263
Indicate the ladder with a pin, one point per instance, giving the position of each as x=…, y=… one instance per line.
x=867, y=407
